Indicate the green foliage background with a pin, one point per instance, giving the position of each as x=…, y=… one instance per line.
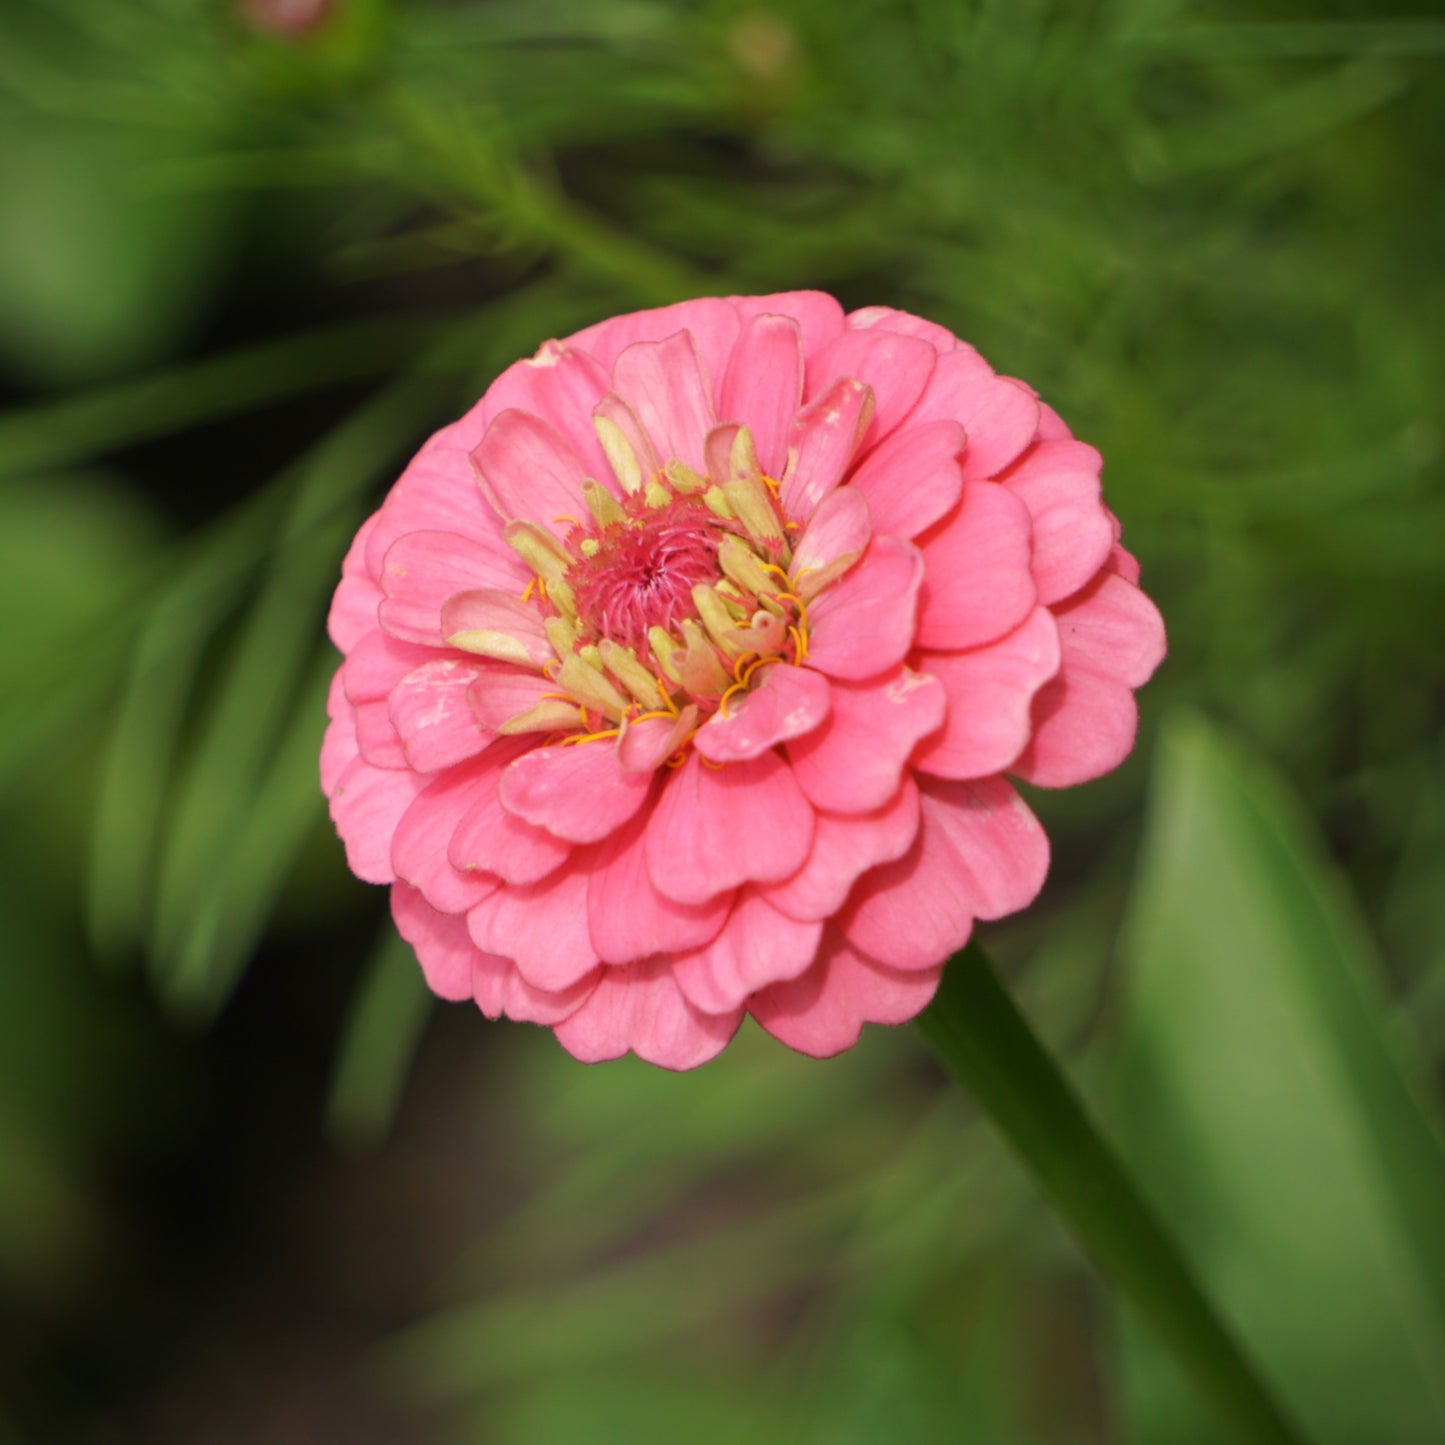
x=252, y=1186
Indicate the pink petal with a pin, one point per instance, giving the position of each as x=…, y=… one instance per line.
x=757, y=946
x=578, y=792
x=977, y=585
x=366, y=805
x=1124, y=564
x=844, y=848
x=715, y=828
x=990, y=690
x=823, y=1012
x=712, y=322
x=979, y=853
x=528, y=472
x=839, y=525
x=489, y=611
x=887, y=319
x=895, y=366
x=560, y=385
x=490, y=839
x=629, y=919
x=437, y=492
x=440, y=940
x=378, y=662
x=864, y=623
x=664, y=383
x=913, y=478
x=423, y=569
x=818, y=315
x=501, y=692
x=1058, y=481
x=500, y=990
x=339, y=747
x=763, y=386
x=614, y=409
x=421, y=843
x=1001, y=416
x=640, y=1008
x=1085, y=720
x=541, y=927
x=1052, y=427
x=376, y=736
x=789, y=702
x=647, y=744
x=1084, y=726
x=430, y=711
x=456, y=968
x=1112, y=629
x=855, y=762
x=822, y=442
x=353, y=611
x=354, y=603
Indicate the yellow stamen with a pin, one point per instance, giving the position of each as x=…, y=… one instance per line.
x=591, y=737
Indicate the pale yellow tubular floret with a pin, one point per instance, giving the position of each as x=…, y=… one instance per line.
x=622, y=663
x=562, y=634
x=605, y=508
x=620, y=455
x=739, y=562
x=664, y=648
x=562, y=598
x=743, y=465
x=699, y=665
x=486, y=642
x=683, y=478
x=539, y=549
x=581, y=680
x=717, y=503
x=753, y=506
x=552, y=714
x=718, y=620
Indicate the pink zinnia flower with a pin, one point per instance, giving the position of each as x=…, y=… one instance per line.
x=682, y=674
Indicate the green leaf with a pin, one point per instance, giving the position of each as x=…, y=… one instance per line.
x=1266, y=1100
x=979, y=1033
x=257, y=697
x=379, y=1040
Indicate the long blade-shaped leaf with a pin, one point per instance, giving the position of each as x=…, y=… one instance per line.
x=1265, y=1089
x=981, y=1036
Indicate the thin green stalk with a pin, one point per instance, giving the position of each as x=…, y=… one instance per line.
x=977, y=1030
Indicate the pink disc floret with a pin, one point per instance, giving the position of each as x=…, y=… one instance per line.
x=642, y=573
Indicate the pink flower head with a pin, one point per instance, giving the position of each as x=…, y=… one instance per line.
x=683, y=673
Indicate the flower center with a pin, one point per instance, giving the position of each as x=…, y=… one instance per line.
x=640, y=572
x=670, y=602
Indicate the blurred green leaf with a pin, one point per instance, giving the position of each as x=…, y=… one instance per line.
x=983, y=1039
x=257, y=696
x=98, y=272
x=378, y=1041
x=1265, y=1098
x=60, y=433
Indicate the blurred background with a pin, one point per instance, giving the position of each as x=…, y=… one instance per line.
x=253, y=1185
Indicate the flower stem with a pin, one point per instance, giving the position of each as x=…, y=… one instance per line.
x=977, y=1030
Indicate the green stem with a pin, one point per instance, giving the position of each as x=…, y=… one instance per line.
x=977, y=1030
